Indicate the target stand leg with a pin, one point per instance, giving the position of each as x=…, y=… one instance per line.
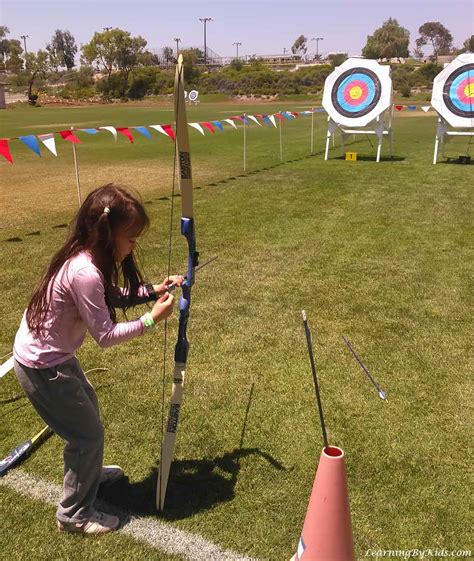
x=328, y=139
x=379, y=148
x=435, y=155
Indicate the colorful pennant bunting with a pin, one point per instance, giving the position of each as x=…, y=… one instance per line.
x=126, y=132
x=112, y=131
x=218, y=124
x=5, y=150
x=208, y=126
x=198, y=127
x=31, y=141
x=167, y=130
x=89, y=131
x=144, y=131
x=231, y=122
x=48, y=140
x=254, y=119
x=70, y=136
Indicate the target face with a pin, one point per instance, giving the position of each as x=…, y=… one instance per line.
x=453, y=92
x=458, y=92
x=356, y=92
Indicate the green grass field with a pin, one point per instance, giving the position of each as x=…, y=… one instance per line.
x=381, y=253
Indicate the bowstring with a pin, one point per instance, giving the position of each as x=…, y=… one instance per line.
x=170, y=238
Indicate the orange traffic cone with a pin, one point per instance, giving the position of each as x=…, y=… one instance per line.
x=327, y=529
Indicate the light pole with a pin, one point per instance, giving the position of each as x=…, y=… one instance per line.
x=317, y=39
x=237, y=44
x=204, y=21
x=284, y=51
x=177, y=41
x=24, y=42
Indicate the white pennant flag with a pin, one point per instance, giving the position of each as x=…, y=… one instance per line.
x=198, y=127
x=159, y=128
x=111, y=130
x=254, y=119
x=272, y=119
x=231, y=122
x=426, y=108
x=48, y=140
x=6, y=367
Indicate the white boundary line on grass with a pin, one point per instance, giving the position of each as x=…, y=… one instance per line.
x=152, y=532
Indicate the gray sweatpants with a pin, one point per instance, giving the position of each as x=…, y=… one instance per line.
x=66, y=401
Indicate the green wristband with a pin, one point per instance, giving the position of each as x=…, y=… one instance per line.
x=148, y=320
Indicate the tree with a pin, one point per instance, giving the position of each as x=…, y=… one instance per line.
x=191, y=58
x=114, y=49
x=299, y=46
x=469, y=44
x=389, y=41
x=336, y=59
x=168, y=54
x=62, y=49
x=10, y=52
x=440, y=38
x=36, y=65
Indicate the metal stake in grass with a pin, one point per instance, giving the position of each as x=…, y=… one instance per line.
x=315, y=378
x=369, y=375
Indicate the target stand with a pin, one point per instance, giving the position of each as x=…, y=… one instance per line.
x=453, y=99
x=380, y=128
x=358, y=100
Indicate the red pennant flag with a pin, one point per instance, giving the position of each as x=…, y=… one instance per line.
x=69, y=136
x=398, y=107
x=5, y=150
x=126, y=132
x=208, y=126
x=237, y=118
x=168, y=130
x=279, y=116
x=295, y=113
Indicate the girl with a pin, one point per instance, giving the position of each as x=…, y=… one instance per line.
x=77, y=293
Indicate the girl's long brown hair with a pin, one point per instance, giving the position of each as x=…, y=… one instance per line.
x=94, y=230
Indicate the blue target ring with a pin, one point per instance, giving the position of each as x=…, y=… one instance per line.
x=356, y=92
x=458, y=91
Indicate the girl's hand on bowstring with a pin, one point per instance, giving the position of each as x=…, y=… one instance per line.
x=175, y=280
x=163, y=307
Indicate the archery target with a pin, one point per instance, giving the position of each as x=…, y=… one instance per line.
x=453, y=92
x=357, y=92
x=193, y=95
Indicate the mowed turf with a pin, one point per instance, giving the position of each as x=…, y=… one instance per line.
x=381, y=253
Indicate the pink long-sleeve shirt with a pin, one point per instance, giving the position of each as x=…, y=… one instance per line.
x=77, y=305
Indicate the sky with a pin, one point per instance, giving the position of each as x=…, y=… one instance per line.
x=262, y=26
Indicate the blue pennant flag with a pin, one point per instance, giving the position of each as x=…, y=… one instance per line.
x=32, y=142
x=319, y=110
x=412, y=107
x=144, y=131
x=218, y=124
x=89, y=131
x=266, y=120
x=286, y=115
x=245, y=120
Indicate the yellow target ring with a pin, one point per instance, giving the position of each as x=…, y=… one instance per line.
x=469, y=90
x=355, y=92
